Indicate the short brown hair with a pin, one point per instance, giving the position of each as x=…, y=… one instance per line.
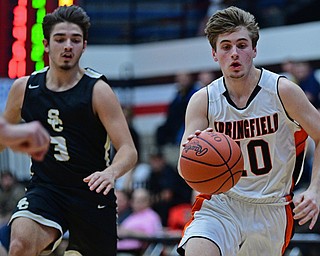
x=230, y=20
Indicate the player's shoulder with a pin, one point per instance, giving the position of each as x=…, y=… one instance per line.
x=20, y=83
x=95, y=74
x=199, y=97
x=41, y=71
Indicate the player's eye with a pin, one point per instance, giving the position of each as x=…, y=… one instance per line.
x=59, y=40
x=242, y=46
x=226, y=47
x=76, y=40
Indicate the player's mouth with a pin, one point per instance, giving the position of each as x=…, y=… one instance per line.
x=67, y=55
x=235, y=65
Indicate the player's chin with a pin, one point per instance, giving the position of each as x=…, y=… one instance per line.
x=66, y=66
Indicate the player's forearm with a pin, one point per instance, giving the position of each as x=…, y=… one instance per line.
x=3, y=133
x=124, y=160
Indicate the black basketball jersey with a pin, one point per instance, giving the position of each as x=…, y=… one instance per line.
x=79, y=142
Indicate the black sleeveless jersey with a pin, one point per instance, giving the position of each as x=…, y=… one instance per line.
x=79, y=142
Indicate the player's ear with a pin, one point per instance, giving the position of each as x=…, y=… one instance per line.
x=46, y=45
x=85, y=43
x=254, y=52
x=214, y=55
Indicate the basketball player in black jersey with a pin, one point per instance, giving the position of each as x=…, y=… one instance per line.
x=29, y=138
x=72, y=189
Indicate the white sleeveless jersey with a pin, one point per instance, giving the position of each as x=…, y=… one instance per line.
x=272, y=144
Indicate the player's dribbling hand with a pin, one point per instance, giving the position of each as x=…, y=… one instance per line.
x=196, y=133
x=306, y=208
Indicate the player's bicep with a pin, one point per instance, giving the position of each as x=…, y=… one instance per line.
x=109, y=111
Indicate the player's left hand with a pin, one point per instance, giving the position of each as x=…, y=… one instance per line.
x=306, y=208
x=101, y=181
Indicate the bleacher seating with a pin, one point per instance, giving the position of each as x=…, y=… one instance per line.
x=139, y=21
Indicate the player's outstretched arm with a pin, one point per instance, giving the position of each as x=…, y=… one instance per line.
x=301, y=110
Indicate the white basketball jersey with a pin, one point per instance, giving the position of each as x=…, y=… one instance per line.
x=272, y=144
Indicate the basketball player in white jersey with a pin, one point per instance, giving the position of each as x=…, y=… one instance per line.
x=29, y=138
x=271, y=118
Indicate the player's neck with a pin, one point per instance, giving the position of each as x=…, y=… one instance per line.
x=241, y=89
x=61, y=80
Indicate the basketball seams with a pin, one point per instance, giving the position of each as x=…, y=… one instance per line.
x=213, y=147
x=207, y=164
x=204, y=163
x=211, y=154
x=230, y=154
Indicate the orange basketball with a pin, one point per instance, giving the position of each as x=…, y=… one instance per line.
x=211, y=163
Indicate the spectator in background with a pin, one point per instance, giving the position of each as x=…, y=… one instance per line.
x=11, y=191
x=205, y=78
x=123, y=205
x=306, y=79
x=136, y=178
x=128, y=113
x=143, y=221
x=170, y=132
x=287, y=70
x=166, y=186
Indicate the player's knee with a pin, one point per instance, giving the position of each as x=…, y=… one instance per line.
x=19, y=247
x=199, y=246
x=72, y=253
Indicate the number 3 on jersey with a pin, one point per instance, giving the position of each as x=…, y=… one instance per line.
x=60, y=147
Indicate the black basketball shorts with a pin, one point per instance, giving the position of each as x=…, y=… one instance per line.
x=89, y=217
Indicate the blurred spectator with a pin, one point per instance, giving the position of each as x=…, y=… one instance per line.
x=205, y=78
x=11, y=191
x=123, y=205
x=128, y=113
x=136, y=178
x=307, y=80
x=171, y=131
x=287, y=70
x=142, y=222
x=166, y=186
